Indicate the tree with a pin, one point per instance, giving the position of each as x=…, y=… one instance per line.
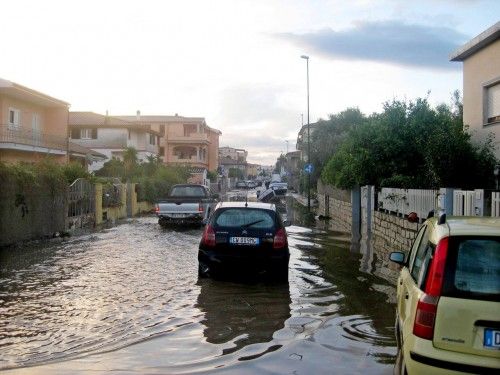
x=411, y=145
x=235, y=172
x=329, y=135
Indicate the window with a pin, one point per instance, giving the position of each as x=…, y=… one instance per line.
x=237, y=217
x=419, y=259
x=88, y=133
x=14, y=117
x=493, y=104
x=188, y=191
x=152, y=139
x=162, y=151
x=473, y=268
x=189, y=129
x=415, y=246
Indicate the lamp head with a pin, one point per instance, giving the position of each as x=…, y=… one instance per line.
x=304, y=57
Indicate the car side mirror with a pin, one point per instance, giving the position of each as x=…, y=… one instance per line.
x=287, y=223
x=215, y=196
x=397, y=257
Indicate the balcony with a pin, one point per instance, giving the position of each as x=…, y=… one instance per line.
x=193, y=161
x=17, y=138
x=194, y=138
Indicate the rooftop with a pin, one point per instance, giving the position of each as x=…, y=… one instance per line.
x=479, y=42
x=92, y=119
x=17, y=91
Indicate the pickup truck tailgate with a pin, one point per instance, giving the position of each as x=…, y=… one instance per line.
x=177, y=208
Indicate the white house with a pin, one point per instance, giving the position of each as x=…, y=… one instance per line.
x=111, y=136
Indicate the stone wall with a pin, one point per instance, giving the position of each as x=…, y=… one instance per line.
x=335, y=204
x=31, y=212
x=391, y=233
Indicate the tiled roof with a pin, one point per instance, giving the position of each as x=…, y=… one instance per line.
x=75, y=148
x=197, y=169
x=96, y=120
x=91, y=118
x=160, y=118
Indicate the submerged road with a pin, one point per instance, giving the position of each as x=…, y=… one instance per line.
x=128, y=300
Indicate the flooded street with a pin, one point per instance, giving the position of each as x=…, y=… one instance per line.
x=128, y=300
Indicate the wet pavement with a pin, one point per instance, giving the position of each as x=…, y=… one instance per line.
x=128, y=300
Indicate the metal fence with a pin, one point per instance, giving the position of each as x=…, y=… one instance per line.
x=81, y=203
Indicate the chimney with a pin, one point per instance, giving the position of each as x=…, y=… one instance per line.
x=138, y=115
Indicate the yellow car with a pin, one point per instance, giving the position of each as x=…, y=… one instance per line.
x=448, y=298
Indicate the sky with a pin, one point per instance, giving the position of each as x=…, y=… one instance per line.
x=237, y=62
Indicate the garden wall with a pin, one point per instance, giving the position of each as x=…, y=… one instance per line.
x=31, y=212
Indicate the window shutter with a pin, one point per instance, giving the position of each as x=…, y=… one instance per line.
x=493, y=93
x=94, y=133
x=75, y=133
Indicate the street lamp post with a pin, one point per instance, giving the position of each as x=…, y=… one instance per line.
x=308, y=138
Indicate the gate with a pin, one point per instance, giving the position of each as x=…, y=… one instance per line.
x=81, y=204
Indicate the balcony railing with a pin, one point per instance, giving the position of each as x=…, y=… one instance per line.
x=20, y=136
x=192, y=138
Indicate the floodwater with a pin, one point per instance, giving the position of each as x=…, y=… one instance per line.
x=128, y=300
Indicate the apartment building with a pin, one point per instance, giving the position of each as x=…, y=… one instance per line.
x=237, y=154
x=481, y=84
x=33, y=125
x=185, y=140
x=111, y=136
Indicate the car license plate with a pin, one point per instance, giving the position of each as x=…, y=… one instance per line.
x=177, y=215
x=244, y=240
x=492, y=338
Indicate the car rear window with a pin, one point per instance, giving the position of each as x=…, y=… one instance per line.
x=474, y=267
x=238, y=217
x=188, y=191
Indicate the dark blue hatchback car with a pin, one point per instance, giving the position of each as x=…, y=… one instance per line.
x=245, y=237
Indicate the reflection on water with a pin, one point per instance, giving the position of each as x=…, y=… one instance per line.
x=242, y=313
x=130, y=298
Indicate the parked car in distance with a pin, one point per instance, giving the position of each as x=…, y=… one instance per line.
x=448, y=298
x=280, y=188
x=251, y=184
x=187, y=204
x=245, y=237
x=241, y=185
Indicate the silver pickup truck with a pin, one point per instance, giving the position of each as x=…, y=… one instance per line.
x=187, y=204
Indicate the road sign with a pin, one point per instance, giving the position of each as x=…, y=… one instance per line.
x=308, y=168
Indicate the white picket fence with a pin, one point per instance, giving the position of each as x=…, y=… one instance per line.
x=464, y=203
x=420, y=201
x=404, y=201
x=495, y=204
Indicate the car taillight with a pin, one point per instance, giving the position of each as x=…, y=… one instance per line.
x=200, y=208
x=157, y=209
x=208, y=238
x=279, y=239
x=435, y=278
x=425, y=315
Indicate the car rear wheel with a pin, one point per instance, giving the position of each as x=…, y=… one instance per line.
x=202, y=270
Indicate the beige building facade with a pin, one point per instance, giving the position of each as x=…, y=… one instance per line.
x=33, y=125
x=184, y=140
x=481, y=85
